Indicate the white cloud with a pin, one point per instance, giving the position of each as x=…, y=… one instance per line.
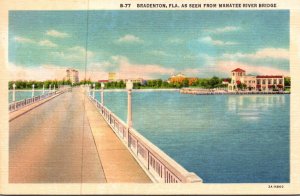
x=81, y=51
x=129, y=39
x=126, y=69
x=175, y=40
x=147, y=71
x=49, y=72
x=275, y=53
x=224, y=29
x=23, y=39
x=47, y=43
x=192, y=72
x=43, y=72
x=74, y=53
x=58, y=55
x=210, y=40
x=55, y=33
x=159, y=53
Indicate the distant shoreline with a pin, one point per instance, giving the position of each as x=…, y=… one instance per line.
x=223, y=92
x=136, y=90
x=108, y=90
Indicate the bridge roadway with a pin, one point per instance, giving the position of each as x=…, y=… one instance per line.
x=66, y=140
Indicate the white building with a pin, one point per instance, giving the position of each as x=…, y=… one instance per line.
x=72, y=75
x=135, y=80
x=256, y=83
x=267, y=83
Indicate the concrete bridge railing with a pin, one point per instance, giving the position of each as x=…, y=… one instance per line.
x=14, y=106
x=154, y=161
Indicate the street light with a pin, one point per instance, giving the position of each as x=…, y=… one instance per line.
x=102, y=93
x=50, y=87
x=129, y=86
x=89, y=89
x=32, y=91
x=14, y=93
x=43, y=89
x=54, y=87
x=94, y=90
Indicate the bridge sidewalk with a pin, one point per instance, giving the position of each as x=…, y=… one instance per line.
x=117, y=162
x=17, y=113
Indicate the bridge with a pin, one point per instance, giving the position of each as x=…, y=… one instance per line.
x=68, y=136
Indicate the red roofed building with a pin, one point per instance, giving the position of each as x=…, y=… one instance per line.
x=268, y=76
x=269, y=82
x=225, y=81
x=104, y=81
x=257, y=83
x=238, y=70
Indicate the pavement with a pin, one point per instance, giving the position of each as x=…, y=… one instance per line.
x=19, y=112
x=117, y=162
x=65, y=140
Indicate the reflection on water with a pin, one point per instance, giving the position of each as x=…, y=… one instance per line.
x=222, y=138
x=250, y=107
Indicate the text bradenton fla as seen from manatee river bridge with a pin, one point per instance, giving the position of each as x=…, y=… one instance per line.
x=195, y=6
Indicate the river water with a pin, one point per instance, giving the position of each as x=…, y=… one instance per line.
x=20, y=95
x=222, y=138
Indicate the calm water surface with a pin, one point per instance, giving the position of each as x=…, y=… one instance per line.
x=20, y=95
x=222, y=138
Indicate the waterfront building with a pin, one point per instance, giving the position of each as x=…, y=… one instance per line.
x=266, y=82
x=239, y=79
x=72, y=75
x=135, y=80
x=225, y=81
x=178, y=75
x=103, y=81
x=176, y=78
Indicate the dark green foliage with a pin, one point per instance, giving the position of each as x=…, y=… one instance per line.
x=213, y=82
x=23, y=84
x=287, y=81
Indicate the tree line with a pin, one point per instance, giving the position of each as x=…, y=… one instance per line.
x=214, y=82
x=24, y=84
x=208, y=83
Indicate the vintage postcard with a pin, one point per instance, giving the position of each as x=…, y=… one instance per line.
x=150, y=97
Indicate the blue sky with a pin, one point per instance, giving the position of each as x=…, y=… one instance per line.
x=148, y=44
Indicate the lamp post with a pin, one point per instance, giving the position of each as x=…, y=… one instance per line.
x=54, y=87
x=94, y=85
x=50, y=87
x=43, y=89
x=129, y=86
x=89, y=89
x=102, y=93
x=32, y=91
x=14, y=93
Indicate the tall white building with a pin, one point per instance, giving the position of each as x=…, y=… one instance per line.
x=72, y=75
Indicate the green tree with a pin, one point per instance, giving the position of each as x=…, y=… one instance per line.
x=287, y=81
x=185, y=82
x=214, y=82
x=241, y=86
x=159, y=83
x=137, y=85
